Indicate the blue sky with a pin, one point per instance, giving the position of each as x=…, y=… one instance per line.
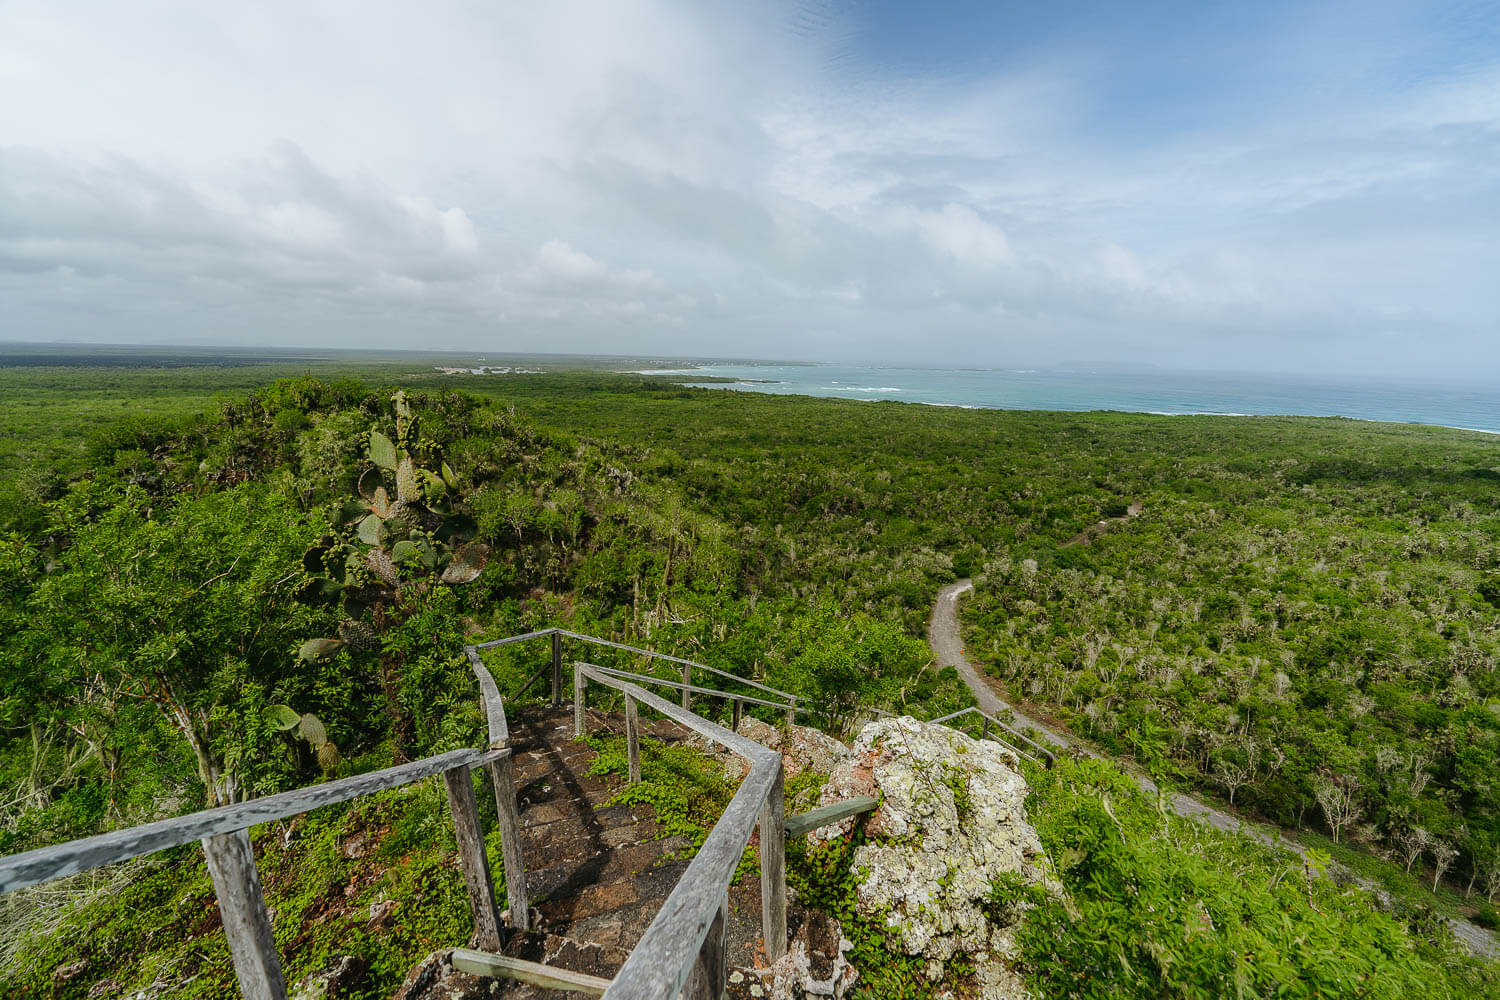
x=1247, y=186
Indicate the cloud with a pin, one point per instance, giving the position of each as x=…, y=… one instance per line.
x=687, y=178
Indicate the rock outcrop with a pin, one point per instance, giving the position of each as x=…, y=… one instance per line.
x=952, y=822
x=802, y=749
x=814, y=965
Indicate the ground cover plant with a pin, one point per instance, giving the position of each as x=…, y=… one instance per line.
x=361, y=891
x=1161, y=906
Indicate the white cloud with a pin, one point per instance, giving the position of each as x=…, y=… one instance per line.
x=651, y=175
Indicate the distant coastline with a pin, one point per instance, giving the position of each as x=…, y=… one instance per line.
x=1130, y=389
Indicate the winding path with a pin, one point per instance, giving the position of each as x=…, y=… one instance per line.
x=943, y=637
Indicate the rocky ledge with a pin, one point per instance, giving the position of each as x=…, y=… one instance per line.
x=950, y=825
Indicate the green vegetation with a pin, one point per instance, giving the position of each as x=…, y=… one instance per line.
x=1161, y=906
x=1310, y=637
x=686, y=790
x=1304, y=619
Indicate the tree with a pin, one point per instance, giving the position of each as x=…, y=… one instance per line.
x=389, y=556
x=1337, y=795
x=1233, y=773
x=1411, y=842
x=1442, y=859
x=178, y=605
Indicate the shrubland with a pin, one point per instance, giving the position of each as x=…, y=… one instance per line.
x=1303, y=612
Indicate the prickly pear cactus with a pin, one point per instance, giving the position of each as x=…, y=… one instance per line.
x=306, y=727
x=358, y=636
x=396, y=536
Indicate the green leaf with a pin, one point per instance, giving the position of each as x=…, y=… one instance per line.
x=382, y=451
x=319, y=589
x=404, y=550
x=450, y=477
x=328, y=757
x=370, y=530
x=280, y=717
x=319, y=649
x=311, y=729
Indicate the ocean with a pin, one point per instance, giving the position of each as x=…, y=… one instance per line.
x=1472, y=406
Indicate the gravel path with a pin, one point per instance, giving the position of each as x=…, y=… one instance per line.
x=943, y=636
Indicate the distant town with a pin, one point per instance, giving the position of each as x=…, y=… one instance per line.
x=486, y=370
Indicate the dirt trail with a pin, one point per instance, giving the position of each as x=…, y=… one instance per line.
x=943, y=637
x=1098, y=528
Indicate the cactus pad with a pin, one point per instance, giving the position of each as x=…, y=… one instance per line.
x=280, y=717
x=319, y=649
x=382, y=450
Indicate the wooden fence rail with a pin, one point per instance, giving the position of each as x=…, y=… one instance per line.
x=1047, y=759
x=682, y=949
x=684, y=944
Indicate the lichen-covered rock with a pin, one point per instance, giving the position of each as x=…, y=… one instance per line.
x=808, y=749
x=339, y=976
x=802, y=749
x=951, y=822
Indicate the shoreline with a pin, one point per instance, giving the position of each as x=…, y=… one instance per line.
x=881, y=395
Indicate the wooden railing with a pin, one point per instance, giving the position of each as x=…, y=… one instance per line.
x=223, y=833
x=786, y=700
x=683, y=950
x=1047, y=758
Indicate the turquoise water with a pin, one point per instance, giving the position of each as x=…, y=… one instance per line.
x=1473, y=406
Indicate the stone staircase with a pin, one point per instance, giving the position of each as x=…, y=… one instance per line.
x=596, y=873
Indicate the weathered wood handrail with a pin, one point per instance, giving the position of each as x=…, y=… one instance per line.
x=805, y=823
x=1048, y=757
x=694, y=689
x=501, y=770
x=684, y=945
x=489, y=696
x=45, y=863
x=548, y=977
x=223, y=834
x=559, y=633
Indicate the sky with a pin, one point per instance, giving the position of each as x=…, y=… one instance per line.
x=1259, y=186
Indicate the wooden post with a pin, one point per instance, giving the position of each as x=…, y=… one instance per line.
x=773, y=868
x=633, y=740
x=986, y=729
x=556, y=669
x=687, y=696
x=739, y=709
x=471, y=857
x=242, y=909
x=503, y=780
x=709, y=976
x=580, y=690
x=791, y=714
